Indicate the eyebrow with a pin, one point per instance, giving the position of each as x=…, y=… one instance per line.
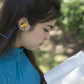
x=51, y=27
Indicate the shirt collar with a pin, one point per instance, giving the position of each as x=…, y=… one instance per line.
x=14, y=51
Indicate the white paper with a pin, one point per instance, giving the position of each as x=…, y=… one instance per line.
x=70, y=71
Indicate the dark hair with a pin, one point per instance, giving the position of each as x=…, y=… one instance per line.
x=34, y=10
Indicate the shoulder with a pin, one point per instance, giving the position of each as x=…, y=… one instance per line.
x=6, y=70
x=2, y=76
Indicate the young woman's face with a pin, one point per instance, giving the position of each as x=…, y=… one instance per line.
x=31, y=40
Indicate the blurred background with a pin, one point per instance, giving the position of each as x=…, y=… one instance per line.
x=67, y=37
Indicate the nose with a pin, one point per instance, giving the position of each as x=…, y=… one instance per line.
x=47, y=36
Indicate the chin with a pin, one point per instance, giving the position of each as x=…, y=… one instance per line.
x=32, y=48
x=35, y=48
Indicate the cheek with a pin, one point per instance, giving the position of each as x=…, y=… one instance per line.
x=33, y=38
x=40, y=36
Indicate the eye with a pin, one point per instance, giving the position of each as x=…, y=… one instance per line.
x=45, y=30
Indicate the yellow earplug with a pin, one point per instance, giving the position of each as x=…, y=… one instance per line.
x=23, y=25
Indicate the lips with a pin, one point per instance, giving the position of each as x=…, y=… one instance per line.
x=40, y=44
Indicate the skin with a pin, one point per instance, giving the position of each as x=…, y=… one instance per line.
x=31, y=40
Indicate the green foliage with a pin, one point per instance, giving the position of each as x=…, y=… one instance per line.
x=72, y=18
x=47, y=60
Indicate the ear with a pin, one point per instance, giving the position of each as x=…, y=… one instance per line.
x=24, y=20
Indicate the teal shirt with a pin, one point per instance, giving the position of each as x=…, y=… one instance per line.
x=16, y=68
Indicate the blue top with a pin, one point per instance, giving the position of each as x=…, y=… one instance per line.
x=16, y=68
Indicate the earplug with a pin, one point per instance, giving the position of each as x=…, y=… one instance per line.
x=23, y=25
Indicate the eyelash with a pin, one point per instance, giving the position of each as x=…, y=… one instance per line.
x=45, y=30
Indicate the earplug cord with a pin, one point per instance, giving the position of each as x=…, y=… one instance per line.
x=9, y=33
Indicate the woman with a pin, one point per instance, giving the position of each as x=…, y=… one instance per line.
x=27, y=22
